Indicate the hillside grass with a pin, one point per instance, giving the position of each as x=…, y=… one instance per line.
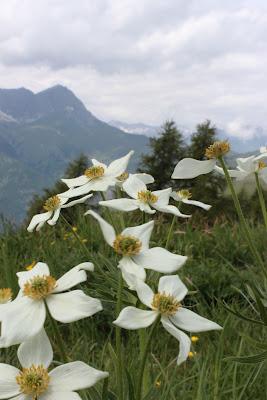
x=219, y=265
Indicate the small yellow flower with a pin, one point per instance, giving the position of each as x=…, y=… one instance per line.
x=158, y=384
x=74, y=228
x=84, y=240
x=194, y=339
x=30, y=266
x=192, y=354
x=5, y=295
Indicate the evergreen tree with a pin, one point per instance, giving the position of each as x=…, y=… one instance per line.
x=207, y=188
x=166, y=151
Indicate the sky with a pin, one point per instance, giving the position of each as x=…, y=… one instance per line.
x=144, y=61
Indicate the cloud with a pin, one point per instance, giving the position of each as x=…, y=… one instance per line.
x=143, y=61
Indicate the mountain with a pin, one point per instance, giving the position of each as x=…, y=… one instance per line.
x=41, y=133
x=137, y=129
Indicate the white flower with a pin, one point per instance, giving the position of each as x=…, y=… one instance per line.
x=184, y=196
x=25, y=316
x=99, y=177
x=166, y=303
x=189, y=168
x=143, y=199
x=53, y=206
x=146, y=178
x=247, y=167
x=133, y=245
x=35, y=381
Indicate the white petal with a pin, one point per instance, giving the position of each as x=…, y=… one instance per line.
x=22, y=397
x=142, y=232
x=176, y=196
x=146, y=208
x=146, y=178
x=263, y=174
x=78, y=201
x=117, y=167
x=8, y=384
x=74, y=182
x=184, y=340
x=37, y=351
x=53, y=220
x=163, y=196
x=169, y=209
x=246, y=164
x=75, y=376
x=57, y=395
x=39, y=219
x=133, y=185
x=189, y=168
x=79, y=191
x=120, y=204
x=234, y=173
x=22, y=321
x=131, y=272
x=98, y=163
x=107, y=230
x=102, y=184
x=73, y=277
x=173, y=285
x=40, y=269
x=198, y=204
x=133, y=318
x=160, y=260
x=72, y=306
x=192, y=322
x=145, y=293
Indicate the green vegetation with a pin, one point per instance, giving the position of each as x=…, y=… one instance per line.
x=219, y=265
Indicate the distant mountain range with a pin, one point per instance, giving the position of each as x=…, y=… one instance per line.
x=41, y=133
x=244, y=144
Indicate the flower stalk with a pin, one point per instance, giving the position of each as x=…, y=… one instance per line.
x=144, y=355
x=243, y=222
x=118, y=340
x=261, y=199
x=59, y=339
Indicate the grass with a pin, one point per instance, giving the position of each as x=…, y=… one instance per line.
x=219, y=264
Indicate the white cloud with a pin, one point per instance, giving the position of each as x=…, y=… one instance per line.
x=143, y=61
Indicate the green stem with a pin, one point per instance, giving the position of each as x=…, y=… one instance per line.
x=170, y=232
x=261, y=199
x=59, y=339
x=76, y=236
x=118, y=340
x=108, y=211
x=242, y=220
x=144, y=359
x=143, y=217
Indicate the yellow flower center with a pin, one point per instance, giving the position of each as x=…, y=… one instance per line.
x=5, y=295
x=261, y=165
x=217, y=149
x=122, y=177
x=194, y=339
x=52, y=203
x=184, y=194
x=96, y=171
x=166, y=304
x=39, y=287
x=192, y=354
x=146, y=196
x=127, y=245
x=33, y=381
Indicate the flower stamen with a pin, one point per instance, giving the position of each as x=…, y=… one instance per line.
x=166, y=304
x=146, y=196
x=33, y=381
x=127, y=245
x=96, y=171
x=122, y=177
x=184, y=194
x=52, y=203
x=261, y=165
x=39, y=287
x=217, y=149
x=5, y=295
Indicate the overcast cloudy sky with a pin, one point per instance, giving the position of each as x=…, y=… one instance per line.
x=143, y=60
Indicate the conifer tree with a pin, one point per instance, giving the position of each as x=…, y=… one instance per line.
x=166, y=150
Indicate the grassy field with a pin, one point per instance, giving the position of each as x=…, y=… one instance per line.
x=218, y=266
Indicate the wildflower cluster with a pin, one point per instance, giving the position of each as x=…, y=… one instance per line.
x=42, y=296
